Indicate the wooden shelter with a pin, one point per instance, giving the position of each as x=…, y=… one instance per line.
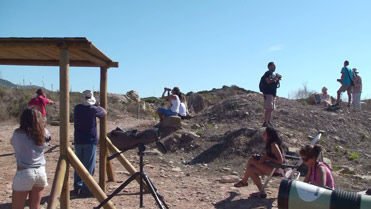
x=66, y=52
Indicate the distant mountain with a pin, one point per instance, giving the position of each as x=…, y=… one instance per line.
x=7, y=83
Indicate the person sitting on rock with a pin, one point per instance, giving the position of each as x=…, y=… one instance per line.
x=319, y=173
x=183, y=111
x=174, y=98
x=325, y=98
x=256, y=165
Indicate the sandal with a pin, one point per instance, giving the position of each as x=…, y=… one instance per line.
x=241, y=184
x=259, y=195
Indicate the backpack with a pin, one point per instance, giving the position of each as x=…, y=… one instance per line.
x=262, y=84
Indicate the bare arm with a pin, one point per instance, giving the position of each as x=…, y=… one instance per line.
x=306, y=179
x=321, y=173
x=277, y=153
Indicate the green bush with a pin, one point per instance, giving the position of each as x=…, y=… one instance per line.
x=353, y=156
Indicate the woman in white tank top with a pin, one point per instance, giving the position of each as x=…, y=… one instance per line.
x=174, y=98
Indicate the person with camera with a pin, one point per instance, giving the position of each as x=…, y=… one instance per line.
x=346, y=81
x=86, y=137
x=29, y=142
x=174, y=97
x=268, y=85
x=256, y=164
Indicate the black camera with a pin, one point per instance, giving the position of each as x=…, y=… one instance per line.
x=256, y=156
x=125, y=140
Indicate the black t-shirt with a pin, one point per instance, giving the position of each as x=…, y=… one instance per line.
x=272, y=87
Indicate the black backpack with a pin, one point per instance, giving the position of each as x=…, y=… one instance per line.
x=262, y=84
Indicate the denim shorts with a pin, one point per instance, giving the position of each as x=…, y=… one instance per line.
x=166, y=112
x=25, y=180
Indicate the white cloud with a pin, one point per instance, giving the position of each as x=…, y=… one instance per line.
x=274, y=48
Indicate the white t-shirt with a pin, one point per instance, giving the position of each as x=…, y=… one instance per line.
x=182, y=109
x=175, y=103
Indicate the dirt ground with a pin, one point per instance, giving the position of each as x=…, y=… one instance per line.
x=183, y=186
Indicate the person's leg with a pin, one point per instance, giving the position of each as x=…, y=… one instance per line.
x=246, y=176
x=77, y=183
x=19, y=199
x=35, y=197
x=349, y=91
x=269, y=105
x=89, y=161
x=259, y=169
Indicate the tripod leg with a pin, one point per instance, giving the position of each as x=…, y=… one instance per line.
x=118, y=190
x=155, y=194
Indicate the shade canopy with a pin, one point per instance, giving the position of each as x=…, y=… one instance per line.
x=46, y=52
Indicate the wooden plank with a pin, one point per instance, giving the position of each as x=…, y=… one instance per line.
x=73, y=63
x=88, y=179
x=103, y=130
x=57, y=183
x=91, y=58
x=65, y=195
x=45, y=44
x=64, y=104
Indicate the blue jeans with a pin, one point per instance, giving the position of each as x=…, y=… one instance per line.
x=87, y=154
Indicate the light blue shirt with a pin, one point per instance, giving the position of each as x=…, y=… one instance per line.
x=348, y=74
x=27, y=153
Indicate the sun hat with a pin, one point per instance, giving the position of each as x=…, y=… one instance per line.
x=355, y=70
x=87, y=98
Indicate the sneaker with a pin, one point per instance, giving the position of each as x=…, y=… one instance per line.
x=77, y=190
x=265, y=124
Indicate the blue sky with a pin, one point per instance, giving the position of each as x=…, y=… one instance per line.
x=198, y=44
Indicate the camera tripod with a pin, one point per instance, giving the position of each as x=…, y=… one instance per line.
x=143, y=176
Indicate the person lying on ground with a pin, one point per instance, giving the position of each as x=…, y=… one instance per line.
x=174, y=99
x=319, y=173
x=256, y=164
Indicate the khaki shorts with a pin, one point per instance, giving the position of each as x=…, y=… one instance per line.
x=347, y=88
x=269, y=102
x=25, y=180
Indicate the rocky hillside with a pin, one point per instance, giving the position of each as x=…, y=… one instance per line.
x=226, y=128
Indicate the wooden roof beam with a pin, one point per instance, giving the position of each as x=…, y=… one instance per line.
x=73, y=63
x=46, y=44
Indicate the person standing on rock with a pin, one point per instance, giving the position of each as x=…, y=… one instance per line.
x=29, y=142
x=86, y=137
x=40, y=102
x=268, y=85
x=174, y=98
x=357, y=89
x=346, y=83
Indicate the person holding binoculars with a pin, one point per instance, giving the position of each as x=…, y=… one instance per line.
x=174, y=96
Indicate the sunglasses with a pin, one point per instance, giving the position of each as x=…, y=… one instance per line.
x=305, y=159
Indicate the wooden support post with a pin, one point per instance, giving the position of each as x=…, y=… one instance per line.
x=88, y=179
x=103, y=164
x=60, y=172
x=64, y=120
